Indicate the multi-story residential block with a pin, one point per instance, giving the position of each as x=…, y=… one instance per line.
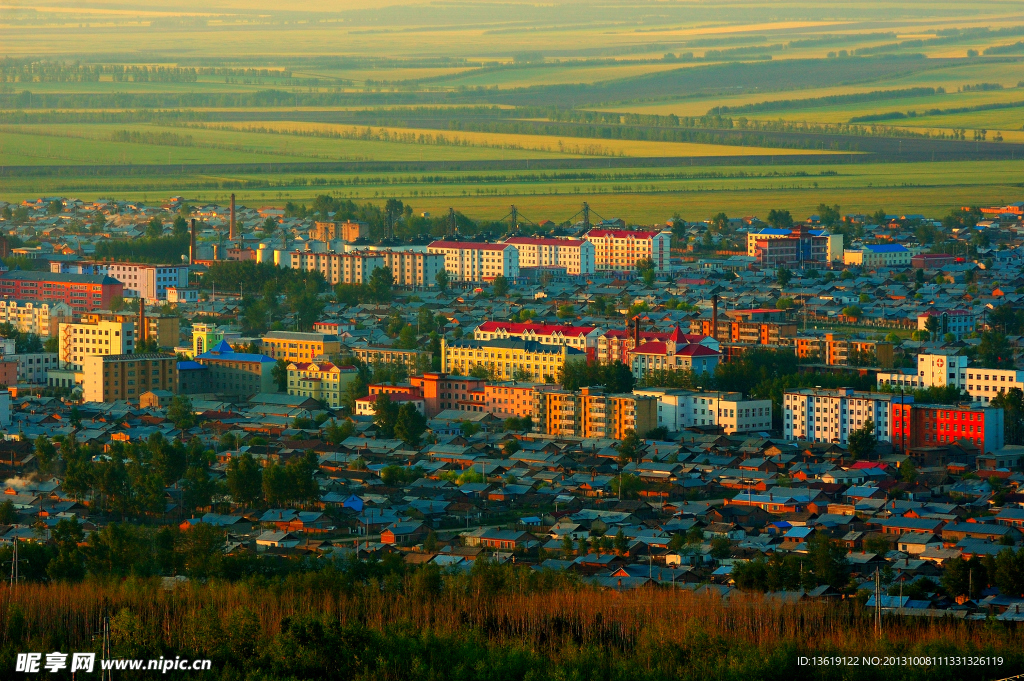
x=831, y=415
x=591, y=413
x=929, y=425
x=614, y=345
x=620, y=249
x=108, y=378
x=80, y=291
x=415, y=361
x=237, y=374
x=942, y=370
x=413, y=268
x=349, y=231
x=508, y=359
x=32, y=316
x=828, y=348
x=680, y=409
x=878, y=255
x=162, y=328
x=320, y=380
x=32, y=367
x=477, y=261
x=140, y=280
x=816, y=245
x=676, y=353
x=339, y=268
x=296, y=346
x=79, y=341
x=760, y=326
x=583, y=338
x=957, y=322
x=442, y=391
x=577, y=256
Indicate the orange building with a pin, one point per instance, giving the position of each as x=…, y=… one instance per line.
x=442, y=391
x=838, y=351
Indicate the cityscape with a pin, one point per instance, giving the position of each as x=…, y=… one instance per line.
x=652, y=344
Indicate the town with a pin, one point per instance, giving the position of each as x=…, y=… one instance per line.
x=815, y=407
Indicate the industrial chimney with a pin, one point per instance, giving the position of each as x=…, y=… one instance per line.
x=192, y=244
x=231, y=226
x=714, y=316
x=140, y=335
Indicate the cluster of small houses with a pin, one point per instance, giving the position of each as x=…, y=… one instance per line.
x=760, y=494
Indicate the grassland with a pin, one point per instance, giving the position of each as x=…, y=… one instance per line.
x=331, y=73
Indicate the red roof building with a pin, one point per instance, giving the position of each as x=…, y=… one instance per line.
x=583, y=338
x=679, y=352
x=577, y=256
x=83, y=292
x=620, y=249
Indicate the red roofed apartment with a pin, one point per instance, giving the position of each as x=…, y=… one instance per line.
x=619, y=249
x=676, y=353
x=577, y=256
x=477, y=261
x=583, y=338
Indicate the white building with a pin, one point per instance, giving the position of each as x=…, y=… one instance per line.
x=620, y=249
x=365, y=405
x=831, y=415
x=477, y=261
x=940, y=371
x=34, y=316
x=679, y=409
x=33, y=366
x=141, y=280
x=182, y=295
x=577, y=256
x=78, y=341
x=408, y=268
x=5, y=408
x=957, y=322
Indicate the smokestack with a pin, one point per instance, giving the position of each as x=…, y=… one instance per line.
x=714, y=316
x=140, y=336
x=192, y=244
x=231, y=227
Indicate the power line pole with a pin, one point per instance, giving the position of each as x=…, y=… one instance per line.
x=586, y=217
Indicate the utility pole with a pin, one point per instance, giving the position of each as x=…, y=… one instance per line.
x=515, y=219
x=586, y=217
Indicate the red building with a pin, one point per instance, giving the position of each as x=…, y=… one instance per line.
x=83, y=292
x=924, y=425
x=442, y=391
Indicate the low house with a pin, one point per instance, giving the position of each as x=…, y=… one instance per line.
x=506, y=539
x=916, y=543
x=276, y=539
x=954, y=532
x=403, y=533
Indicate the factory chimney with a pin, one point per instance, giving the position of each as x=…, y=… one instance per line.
x=231, y=227
x=140, y=335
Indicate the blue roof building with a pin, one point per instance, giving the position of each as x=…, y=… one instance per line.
x=222, y=371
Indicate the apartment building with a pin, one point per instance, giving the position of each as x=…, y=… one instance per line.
x=414, y=360
x=322, y=381
x=577, y=256
x=929, y=425
x=620, y=249
x=614, y=345
x=815, y=245
x=758, y=326
x=125, y=377
x=678, y=352
x=82, y=292
x=941, y=370
x=680, y=409
x=591, y=413
x=140, y=280
x=828, y=348
x=442, y=391
x=339, y=268
x=477, y=261
x=297, y=346
x=508, y=359
x=164, y=329
x=33, y=367
x=237, y=374
x=831, y=415
x=583, y=338
x=33, y=316
x=76, y=342
x=957, y=322
x=878, y=255
x=413, y=268
x=349, y=231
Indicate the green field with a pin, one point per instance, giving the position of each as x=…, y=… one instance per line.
x=258, y=86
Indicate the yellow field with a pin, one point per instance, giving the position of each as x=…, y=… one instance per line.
x=550, y=144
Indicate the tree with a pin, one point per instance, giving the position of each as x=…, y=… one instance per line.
x=54, y=207
x=8, y=514
x=826, y=562
x=198, y=488
x=443, y=280
x=499, y=287
x=908, y=471
x=269, y=226
x=829, y=216
x=245, y=479
x=566, y=311
x=879, y=216
x=852, y=311
x=180, y=226
x=720, y=547
x=629, y=448
x=621, y=545
x=407, y=338
x=994, y=351
x=510, y=447
x=411, y=425
x=380, y=285
x=618, y=378
x=780, y=219
x=567, y=545
x=46, y=454
x=932, y=326
x=180, y=412
x=155, y=228
x=862, y=442
x=336, y=434
x=783, y=276
x=280, y=374
x=385, y=415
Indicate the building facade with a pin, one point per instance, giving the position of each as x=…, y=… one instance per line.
x=680, y=409
x=82, y=292
x=821, y=243
x=442, y=391
x=79, y=341
x=878, y=255
x=164, y=329
x=941, y=371
x=476, y=261
x=413, y=268
x=620, y=249
x=108, y=378
x=509, y=359
x=39, y=317
x=591, y=413
x=295, y=346
x=678, y=352
x=820, y=415
x=583, y=338
x=414, y=360
x=140, y=280
x=237, y=374
x=577, y=256
x=830, y=349
x=33, y=367
x=930, y=425
x=339, y=268
x=320, y=380
x=957, y=322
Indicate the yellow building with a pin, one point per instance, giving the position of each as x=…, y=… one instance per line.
x=322, y=381
x=416, y=361
x=591, y=413
x=878, y=255
x=76, y=342
x=508, y=359
x=294, y=346
x=107, y=378
x=164, y=329
x=204, y=337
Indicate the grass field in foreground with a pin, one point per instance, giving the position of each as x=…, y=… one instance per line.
x=642, y=196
